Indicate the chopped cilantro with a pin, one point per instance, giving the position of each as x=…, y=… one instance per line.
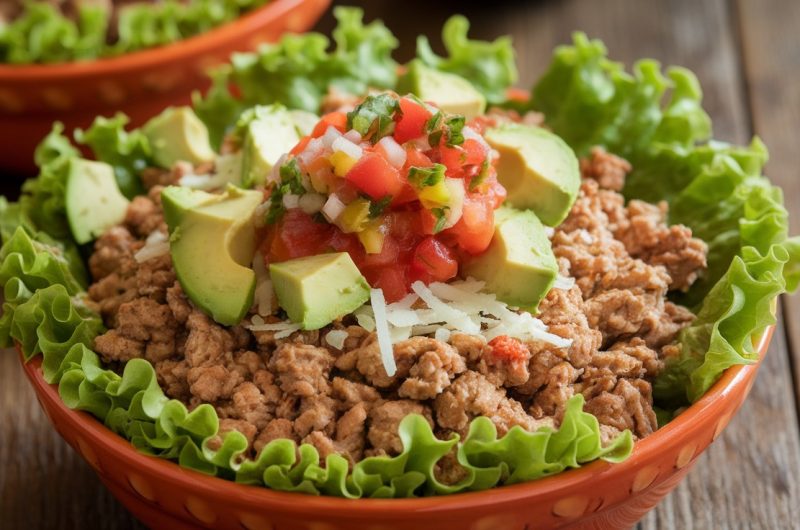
x=441, y=218
x=422, y=177
x=434, y=122
x=480, y=177
x=455, y=130
x=291, y=183
x=377, y=207
x=373, y=118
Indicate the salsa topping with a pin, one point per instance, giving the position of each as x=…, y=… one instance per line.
x=408, y=190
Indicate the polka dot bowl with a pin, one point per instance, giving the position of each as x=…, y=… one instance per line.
x=597, y=496
x=140, y=84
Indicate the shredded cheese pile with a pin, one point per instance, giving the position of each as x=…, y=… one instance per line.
x=438, y=309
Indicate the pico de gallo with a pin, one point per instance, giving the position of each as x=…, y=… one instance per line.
x=405, y=188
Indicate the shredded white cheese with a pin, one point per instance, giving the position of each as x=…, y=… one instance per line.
x=382, y=329
x=336, y=338
x=156, y=245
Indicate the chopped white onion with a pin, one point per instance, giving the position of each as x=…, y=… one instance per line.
x=347, y=147
x=394, y=153
x=353, y=135
x=331, y=134
x=421, y=143
x=291, y=201
x=313, y=150
x=455, y=207
x=336, y=338
x=311, y=203
x=333, y=208
x=382, y=328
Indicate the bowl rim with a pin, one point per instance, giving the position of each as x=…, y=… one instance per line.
x=170, y=472
x=198, y=44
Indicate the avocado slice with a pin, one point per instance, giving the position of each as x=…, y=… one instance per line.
x=316, y=290
x=537, y=168
x=92, y=198
x=269, y=133
x=212, y=242
x=178, y=134
x=449, y=92
x=519, y=266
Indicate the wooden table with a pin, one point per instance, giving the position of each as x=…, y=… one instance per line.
x=747, y=56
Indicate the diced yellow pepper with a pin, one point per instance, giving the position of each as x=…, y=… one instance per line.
x=342, y=163
x=354, y=217
x=434, y=196
x=372, y=238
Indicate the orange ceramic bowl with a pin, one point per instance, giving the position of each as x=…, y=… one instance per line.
x=598, y=496
x=140, y=84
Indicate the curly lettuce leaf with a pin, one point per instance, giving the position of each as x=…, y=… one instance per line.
x=489, y=66
x=145, y=25
x=589, y=100
x=42, y=34
x=299, y=70
x=716, y=189
x=128, y=152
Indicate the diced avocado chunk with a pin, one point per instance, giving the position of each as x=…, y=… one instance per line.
x=178, y=134
x=449, y=92
x=316, y=290
x=519, y=266
x=212, y=242
x=269, y=133
x=538, y=169
x=93, y=200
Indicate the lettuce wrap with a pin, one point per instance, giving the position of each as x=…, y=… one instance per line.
x=716, y=189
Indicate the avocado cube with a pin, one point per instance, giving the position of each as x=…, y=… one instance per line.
x=316, y=290
x=177, y=134
x=449, y=92
x=212, y=242
x=270, y=133
x=92, y=199
x=519, y=266
x=538, y=169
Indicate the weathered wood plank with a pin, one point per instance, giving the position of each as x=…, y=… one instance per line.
x=43, y=482
x=771, y=61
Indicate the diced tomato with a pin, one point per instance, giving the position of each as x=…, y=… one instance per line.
x=453, y=158
x=416, y=158
x=411, y=123
x=337, y=120
x=435, y=259
x=301, y=145
x=388, y=255
x=474, y=152
x=375, y=176
x=391, y=279
x=507, y=348
x=474, y=231
x=297, y=235
x=345, y=191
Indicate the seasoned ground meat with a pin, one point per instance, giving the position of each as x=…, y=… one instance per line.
x=623, y=258
x=472, y=395
x=424, y=365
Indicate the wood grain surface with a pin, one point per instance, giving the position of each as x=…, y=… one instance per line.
x=747, y=56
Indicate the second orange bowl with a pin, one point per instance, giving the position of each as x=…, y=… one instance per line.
x=141, y=84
